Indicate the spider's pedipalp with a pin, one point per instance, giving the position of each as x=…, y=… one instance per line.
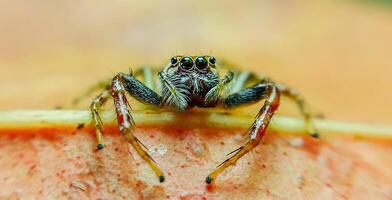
x=220, y=90
x=175, y=93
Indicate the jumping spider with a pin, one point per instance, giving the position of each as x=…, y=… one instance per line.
x=189, y=81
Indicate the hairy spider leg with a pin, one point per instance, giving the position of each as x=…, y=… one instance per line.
x=258, y=128
x=121, y=83
x=105, y=84
x=99, y=86
x=102, y=98
x=242, y=78
x=99, y=101
x=303, y=107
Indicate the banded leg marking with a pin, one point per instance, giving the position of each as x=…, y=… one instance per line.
x=303, y=107
x=124, y=117
x=257, y=130
x=98, y=102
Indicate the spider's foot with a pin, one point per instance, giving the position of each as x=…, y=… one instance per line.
x=315, y=134
x=100, y=146
x=209, y=180
x=161, y=179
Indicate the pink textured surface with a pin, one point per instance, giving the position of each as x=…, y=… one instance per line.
x=63, y=164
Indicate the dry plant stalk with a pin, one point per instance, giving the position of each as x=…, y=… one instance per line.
x=25, y=119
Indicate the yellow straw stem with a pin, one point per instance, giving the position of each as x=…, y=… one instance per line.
x=25, y=119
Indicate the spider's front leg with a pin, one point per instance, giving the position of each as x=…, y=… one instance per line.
x=259, y=126
x=121, y=83
x=105, y=85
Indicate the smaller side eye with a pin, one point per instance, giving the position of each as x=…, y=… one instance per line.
x=212, y=60
x=174, y=60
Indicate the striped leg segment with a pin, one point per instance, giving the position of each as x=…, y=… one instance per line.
x=99, y=101
x=303, y=107
x=258, y=128
x=120, y=84
x=99, y=86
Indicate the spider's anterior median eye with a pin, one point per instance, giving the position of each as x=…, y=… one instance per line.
x=174, y=60
x=212, y=60
x=186, y=63
x=201, y=63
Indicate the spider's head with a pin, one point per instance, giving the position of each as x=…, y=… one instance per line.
x=192, y=64
x=187, y=79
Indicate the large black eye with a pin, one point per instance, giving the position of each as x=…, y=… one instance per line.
x=186, y=63
x=174, y=60
x=212, y=60
x=201, y=63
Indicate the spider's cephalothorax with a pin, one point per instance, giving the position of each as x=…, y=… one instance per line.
x=189, y=81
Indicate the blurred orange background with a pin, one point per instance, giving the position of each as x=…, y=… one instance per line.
x=337, y=53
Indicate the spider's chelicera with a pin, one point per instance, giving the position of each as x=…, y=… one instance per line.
x=194, y=81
